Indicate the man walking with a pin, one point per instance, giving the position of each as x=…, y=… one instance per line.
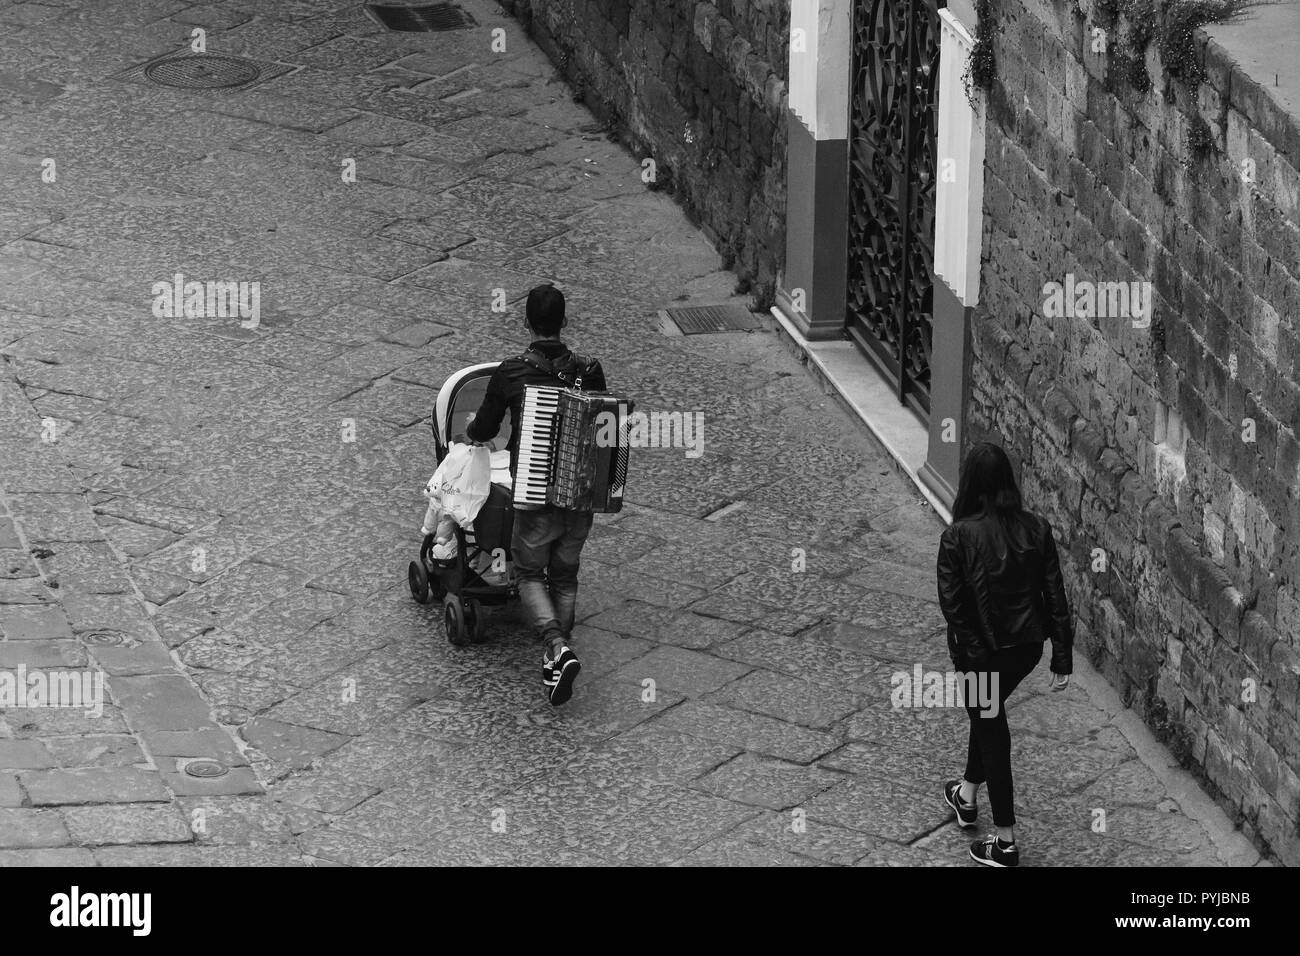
x=547, y=543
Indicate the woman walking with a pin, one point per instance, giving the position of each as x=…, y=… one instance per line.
x=1001, y=592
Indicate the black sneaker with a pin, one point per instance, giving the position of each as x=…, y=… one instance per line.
x=966, y=812
x=552, y=644
x=558, y=675
x=992, y=852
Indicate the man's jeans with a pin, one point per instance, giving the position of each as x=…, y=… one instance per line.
x=545, y=547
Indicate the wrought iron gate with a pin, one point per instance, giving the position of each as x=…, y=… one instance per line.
x=892, y=131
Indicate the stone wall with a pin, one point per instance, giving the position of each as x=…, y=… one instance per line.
x=1166, y=456
x=699, y=88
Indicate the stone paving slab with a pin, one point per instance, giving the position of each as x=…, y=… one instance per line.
x=24, y=755
x=855, y=805
x=60, y=857
x=41, y=654
x=95, y=750
x=242, y=820
x=140, y=824
x=730, y=850
x=25, y=828
x=107, y=785
x=133, y=661
x=763, y=782
x=789, y=699
x=797, y=833
x=224, y=856
x=201, y=532
x=237, y=781
x=34, y=623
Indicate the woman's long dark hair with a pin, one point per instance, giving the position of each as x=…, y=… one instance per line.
x=987, y=484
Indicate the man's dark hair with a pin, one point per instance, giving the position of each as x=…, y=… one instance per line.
x=545, y=310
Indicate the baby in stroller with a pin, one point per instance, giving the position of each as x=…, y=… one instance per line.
x=466, y=568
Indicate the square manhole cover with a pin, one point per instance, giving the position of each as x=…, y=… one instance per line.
x=703, y=319
x=419, y=18
x=203, y=71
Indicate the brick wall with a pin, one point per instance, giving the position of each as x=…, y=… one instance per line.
x=698, y=87
x=1194, y=595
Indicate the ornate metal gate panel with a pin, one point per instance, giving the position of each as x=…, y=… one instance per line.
x=892, y=132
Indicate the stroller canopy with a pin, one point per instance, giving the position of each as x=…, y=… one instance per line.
x=448, y=404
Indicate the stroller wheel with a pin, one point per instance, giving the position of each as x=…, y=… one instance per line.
x=453, y=616
x=418, y=579
x=474, y=621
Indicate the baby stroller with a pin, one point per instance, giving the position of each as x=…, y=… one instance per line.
x=481, y=572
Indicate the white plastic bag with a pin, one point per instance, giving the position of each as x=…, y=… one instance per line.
x=466, y=481
x=433, y=512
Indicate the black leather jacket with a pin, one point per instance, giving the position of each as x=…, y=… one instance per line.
x=1000, y=585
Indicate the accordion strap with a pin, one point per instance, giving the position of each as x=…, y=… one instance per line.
x=537, y=360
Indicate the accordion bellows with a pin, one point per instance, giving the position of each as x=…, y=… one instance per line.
x=573, y=450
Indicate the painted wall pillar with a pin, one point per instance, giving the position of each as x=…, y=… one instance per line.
x=959, y=204
x=813, y=288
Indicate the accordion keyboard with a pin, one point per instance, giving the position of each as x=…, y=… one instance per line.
x=537, y=428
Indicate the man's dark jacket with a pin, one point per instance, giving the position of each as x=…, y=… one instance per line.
x=999, y=586
x=505, y=389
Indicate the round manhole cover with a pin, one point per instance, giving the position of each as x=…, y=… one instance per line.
x=203, y=72
x=205, y=768
x=104, y=638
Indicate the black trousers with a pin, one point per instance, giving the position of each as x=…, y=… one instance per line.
x=988, y=753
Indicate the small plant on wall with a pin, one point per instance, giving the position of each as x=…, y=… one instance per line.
x=1177, y=44
x=1171, y=25
x=981, y=68
x=1131, y=57
x=1126, y=51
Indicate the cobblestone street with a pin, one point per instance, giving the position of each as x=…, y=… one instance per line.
x=181, y=506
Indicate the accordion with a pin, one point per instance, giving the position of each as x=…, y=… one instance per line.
x=572, y=450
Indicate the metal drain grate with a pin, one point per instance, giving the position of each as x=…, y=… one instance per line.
x=700, y=320
x=104, y=638
x=417, y=19
x=203, y=71
x=205, y=769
